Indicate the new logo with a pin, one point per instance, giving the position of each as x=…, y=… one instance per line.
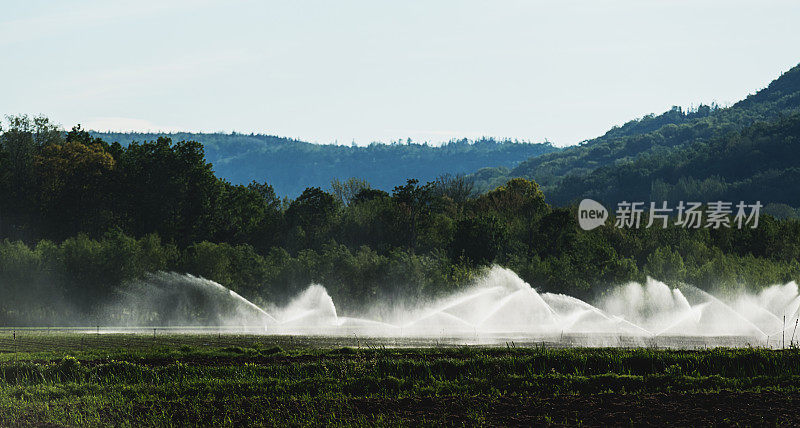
x=591, y=214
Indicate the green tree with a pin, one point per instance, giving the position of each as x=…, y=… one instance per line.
x=168, y=189
x=478, y=238
x=310, y=217
x=73, y=187
x=413, y=204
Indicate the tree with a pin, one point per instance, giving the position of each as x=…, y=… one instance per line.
x=413, y=202
x=478, y=238
x=247, y=214
x=167, y=188
x=665, y=264
x=19, y=144
x=365, y=195
x=346, y=191
x=520, y=204
x=518, y=197
x=457, y=187
x=310, y=216
x=73, y=192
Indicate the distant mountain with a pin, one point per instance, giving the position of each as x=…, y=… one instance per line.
x=291, y=165
x=691, y=144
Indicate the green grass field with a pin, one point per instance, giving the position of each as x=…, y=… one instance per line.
x=60, y=379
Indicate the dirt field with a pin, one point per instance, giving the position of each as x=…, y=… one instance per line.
x=197, y=380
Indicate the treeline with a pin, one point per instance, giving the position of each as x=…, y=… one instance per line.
x=73, y=281
x=291, y=165
x=80, y=216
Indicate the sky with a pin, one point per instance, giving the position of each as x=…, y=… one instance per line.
x=377, y=70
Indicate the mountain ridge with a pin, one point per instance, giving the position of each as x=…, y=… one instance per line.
x=568, y=175
x=291, y=165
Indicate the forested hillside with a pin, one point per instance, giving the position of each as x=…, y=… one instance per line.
x=604, y=167
x=291, y=165
x=79, y=217
x=761, y=162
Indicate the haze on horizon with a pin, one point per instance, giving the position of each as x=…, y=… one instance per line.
x=368, y=71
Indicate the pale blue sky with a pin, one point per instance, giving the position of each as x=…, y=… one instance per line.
x=431, y=70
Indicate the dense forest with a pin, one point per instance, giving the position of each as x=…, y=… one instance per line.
x=80, y=216
x=615, y=163
x=290, y=166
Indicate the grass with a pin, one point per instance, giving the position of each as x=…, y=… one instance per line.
x=258, y=380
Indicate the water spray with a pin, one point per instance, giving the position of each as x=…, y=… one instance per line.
x=497, y=307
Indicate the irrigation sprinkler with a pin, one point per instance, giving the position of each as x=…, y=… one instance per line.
x=501, y=313
x=791, y=342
